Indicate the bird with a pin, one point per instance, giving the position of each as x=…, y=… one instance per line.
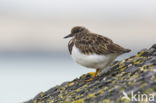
x=92, y=50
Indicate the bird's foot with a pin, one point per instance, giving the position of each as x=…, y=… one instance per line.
x=93, y=75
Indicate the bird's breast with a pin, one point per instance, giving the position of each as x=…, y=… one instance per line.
x=92, y=60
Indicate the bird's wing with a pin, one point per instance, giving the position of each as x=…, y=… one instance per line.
x=70, y=45
x=98, y=44
x=115, y=48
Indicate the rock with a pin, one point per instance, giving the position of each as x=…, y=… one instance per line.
x=154, y=46
x=152, y=51
x=136, y=74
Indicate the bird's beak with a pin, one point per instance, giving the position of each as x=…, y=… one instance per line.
x=69, y=35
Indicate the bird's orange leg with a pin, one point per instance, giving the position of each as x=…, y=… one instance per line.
x=93, y=74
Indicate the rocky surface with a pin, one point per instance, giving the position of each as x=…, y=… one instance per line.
x=131, y=80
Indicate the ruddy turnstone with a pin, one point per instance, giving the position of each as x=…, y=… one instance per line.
x=93, y=50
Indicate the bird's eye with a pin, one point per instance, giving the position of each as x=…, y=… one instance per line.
x=76, y=31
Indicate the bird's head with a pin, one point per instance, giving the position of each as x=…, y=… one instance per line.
x=78, y=30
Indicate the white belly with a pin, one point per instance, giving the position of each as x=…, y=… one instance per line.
x=94, y=60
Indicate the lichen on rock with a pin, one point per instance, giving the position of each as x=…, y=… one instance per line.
x=129, y=80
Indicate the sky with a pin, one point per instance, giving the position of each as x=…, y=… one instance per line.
x=40, y=25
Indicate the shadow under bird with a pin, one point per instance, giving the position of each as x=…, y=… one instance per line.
x=93, y=50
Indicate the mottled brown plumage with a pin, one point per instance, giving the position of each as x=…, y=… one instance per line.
x=92, y=43
x=93, y=50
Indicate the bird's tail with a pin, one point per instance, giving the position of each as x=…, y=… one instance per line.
x=127, y=50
